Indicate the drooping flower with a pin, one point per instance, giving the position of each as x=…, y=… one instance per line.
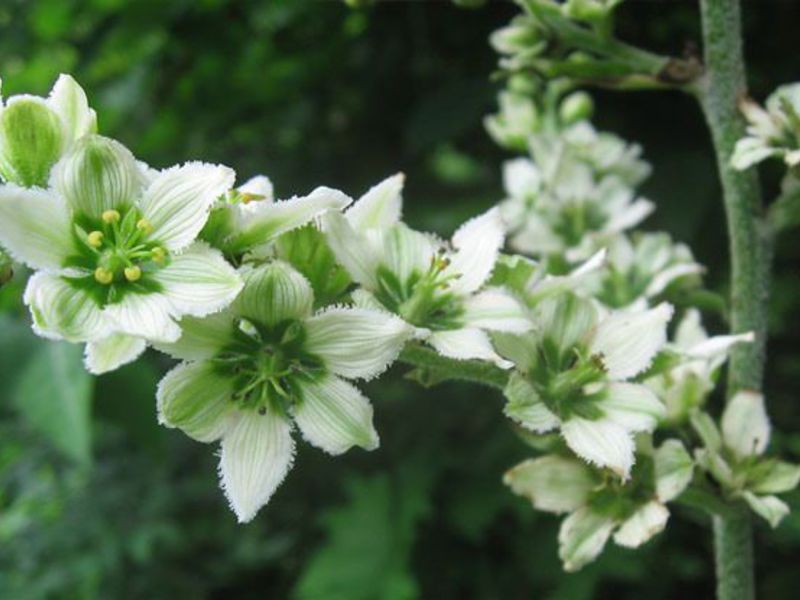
x=266, y=362
x=437, y=287
x=114, y=250
x=734, y=456
x=774, y=132
x=35, y=132
x=573, y=374
x=692, y=373
x=599, y=506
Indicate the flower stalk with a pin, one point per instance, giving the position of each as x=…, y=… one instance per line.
x=723, y=85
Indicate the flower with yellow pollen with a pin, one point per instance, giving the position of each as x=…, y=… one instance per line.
x=116, y=257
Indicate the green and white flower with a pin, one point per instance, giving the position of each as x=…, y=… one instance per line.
x=734, y=456
x=599, y=506
x=36, y=132
x=115, y=255
x=558, y=206
x=435, y=286
x=643, y=268
x=515, y=121
x=248, y=220
x=266, y=362
x=695, y=361
x=771, y=133
x=573, y=374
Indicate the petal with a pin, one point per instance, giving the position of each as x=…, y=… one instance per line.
x=35, y=227
x=177, y=201
x=772, y=509
x=674, y=469
x=110, y=353
x=99, y=174
x=745, y=424
x=260, y=185
x=664, y=278
x=334, y=416
x=552, y=483
x=271, y=220
x=62, y=310
x=356, y=342
x=496, y=310
x=380, y=207
x=69, y=101
x=633, y=406
x=646, y=522
x=602, y=443
x=582, y=537
x=477, y=244
x=273, y=293
x=521, y=177
x=351, y=249
x=718, y=345
x=775, y=477
x=144, y=315
x=198, y=281
x=749, y=151
x=627, y=342
x=31, y=141
x=526, y=407
x=196, y=398
x=465, y=344
x=257, y=452
x=630, y=216
x=406, y=253
x=201, y=338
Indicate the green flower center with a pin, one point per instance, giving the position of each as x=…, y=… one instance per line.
x=267, y=364
x=116, y=250
x=423, y=299
x=575, y=219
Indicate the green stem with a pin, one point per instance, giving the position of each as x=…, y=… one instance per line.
x=442, y=368
x=723, y=85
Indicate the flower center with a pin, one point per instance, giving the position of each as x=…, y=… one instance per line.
x=116, y=248
x=266, y=364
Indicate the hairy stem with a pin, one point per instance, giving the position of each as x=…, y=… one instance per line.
x=442, y=368
x=723, y=85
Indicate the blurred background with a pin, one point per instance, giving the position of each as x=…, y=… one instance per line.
x=98, y=501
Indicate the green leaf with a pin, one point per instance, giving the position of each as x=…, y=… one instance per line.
x=370, y=539
x=54, y=395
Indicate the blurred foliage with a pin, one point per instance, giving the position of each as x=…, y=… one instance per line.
x=312, y=93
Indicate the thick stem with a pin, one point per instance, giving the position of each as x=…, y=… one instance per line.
x=724, y=84
x=443, y=368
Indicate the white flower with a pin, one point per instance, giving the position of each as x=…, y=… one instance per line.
x=517, y=119
x=249, y=219
x=267, y=362
x=774, y=132
x=598, y=508
x=573, y=374
x=35, y=132
x=698, y=358
x=734, y=456
x=642, y=269
x=116, y=259
x=435, y=286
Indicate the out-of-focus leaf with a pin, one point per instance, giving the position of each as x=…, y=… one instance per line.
x=54, y=393
x=370, y=539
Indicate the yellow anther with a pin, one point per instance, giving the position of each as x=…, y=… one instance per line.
x=158, y=254
x=133, y=273
x=144, y=226
x=110, y=216
x=103, y=276
x=247, y=197
x=95, y=239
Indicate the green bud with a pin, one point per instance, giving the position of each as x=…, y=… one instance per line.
x=31, y=141
x=578, y=106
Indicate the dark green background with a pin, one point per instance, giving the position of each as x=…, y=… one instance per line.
x=312, y=93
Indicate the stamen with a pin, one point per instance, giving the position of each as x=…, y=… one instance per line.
x=110, y=216
x=103, y=276
x=95, y=239
x=144, y=226
x=158, y=254
x=133, y=273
